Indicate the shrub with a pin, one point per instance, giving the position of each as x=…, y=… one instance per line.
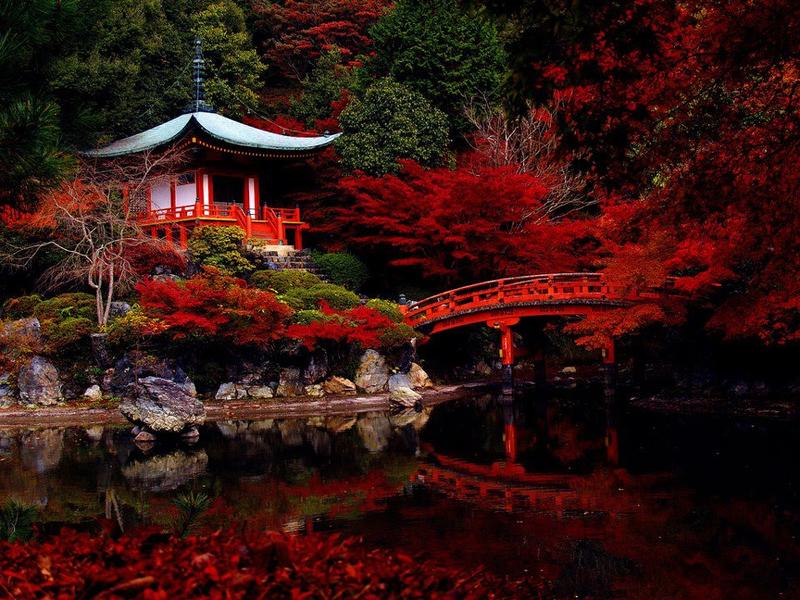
x=21, y=307
x=133, y=327
x=335, y=296
x=221, y=248
x=16, y=521
x=304, y=317
x=63, y=306
x=388, y=308
x=283, y=281
x=394, y=337
x=64, y=333
x=343, y=269
x=214, y=305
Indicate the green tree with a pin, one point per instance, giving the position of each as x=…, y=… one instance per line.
x=437, y=48
x=31, y=159
x=123, y=66
x=390, y=122
x=324, y=85
x=233, y=67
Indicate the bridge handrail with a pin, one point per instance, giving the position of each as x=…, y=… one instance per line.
x=492, y=292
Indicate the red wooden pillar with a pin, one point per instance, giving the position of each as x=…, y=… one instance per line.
x=298, y=238
x=154, y=233
x=281, y=230
x=246, y=201
x=173, y=195
x=609, y=370
x=168, y=232
x=183, y=236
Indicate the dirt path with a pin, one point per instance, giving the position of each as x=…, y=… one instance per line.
x=66, y=416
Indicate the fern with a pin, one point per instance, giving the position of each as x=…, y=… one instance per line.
x=191, y=506
x=16, y=521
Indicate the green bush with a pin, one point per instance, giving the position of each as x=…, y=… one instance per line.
x=220, y=247
x=390, y=122
x=62, y=334
x=337, y=297
x=304, y=317
x=76, y=305
x=343, y=269
x=283, y=281
x=21, y=307
x=394, y=338
x=388, y=308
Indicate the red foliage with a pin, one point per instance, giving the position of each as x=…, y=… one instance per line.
x=361, y=325
x=212, y=304
x=296, y=32
x=222, y=565
x=689, y=112
x=462, y=225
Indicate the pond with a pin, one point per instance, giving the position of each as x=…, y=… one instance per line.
x=596, y=501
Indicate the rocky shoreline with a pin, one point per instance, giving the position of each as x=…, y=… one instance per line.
x=67, y=415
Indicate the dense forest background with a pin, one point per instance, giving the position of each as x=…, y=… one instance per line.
x=648, y=139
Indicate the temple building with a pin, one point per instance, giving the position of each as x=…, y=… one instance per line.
x=233, y=176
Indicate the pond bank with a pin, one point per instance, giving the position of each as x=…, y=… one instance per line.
x=66, y=416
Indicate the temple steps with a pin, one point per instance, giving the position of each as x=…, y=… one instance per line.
x=283, y=258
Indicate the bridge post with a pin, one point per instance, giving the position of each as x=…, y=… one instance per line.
x=507, y=357
x=609, y=370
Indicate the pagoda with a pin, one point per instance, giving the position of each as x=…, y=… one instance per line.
x=234, y=174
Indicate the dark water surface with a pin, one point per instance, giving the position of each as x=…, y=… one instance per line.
x=595, y=502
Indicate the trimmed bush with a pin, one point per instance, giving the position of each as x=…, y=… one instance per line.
x=220, y=247
x=284, y=281
x=343, y=269
x=335, y=296
x=77, y=305
x=304, y=317
x=394, y=338
x=21, y=307
x=388, y=308
x=62, y=334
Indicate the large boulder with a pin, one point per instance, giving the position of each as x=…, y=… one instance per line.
x=372, y=375
x=38, y=383
x=93, y=393
x=339, y=386
x=131, y=368
x=163, y=406
x=399, y=380
x=290, y=383
x=419, y=378
x=404, y=397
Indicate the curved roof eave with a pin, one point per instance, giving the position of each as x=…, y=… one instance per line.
x=216, y=126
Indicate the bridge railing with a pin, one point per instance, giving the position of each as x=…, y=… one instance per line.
x=551, y=287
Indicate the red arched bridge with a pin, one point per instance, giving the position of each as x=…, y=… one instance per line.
x=501, y=303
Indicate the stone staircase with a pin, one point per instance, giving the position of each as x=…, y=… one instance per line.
x=282, y=258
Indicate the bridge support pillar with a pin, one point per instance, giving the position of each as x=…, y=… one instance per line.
x=507, y=357
x=609, y=371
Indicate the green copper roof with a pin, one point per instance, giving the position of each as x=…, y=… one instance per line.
x=216, y=126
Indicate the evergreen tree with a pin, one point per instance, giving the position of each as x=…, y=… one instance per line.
x=440, y=50
x=390, y=122
x=233, y=67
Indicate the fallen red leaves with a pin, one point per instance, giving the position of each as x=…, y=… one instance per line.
x=152, y=565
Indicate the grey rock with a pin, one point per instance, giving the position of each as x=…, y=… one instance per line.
x=128, y=370
x=38, y=383
x=119, y=309
x=161, y=405
x=6, y=396
x=93, y=393
x=230, y=391
x=405, y=397
x=290, y=383
x=260, y=392
x=29, y=327
x=372, y=375
x=399, y=380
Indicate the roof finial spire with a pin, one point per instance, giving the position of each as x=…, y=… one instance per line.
x=199, y=103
